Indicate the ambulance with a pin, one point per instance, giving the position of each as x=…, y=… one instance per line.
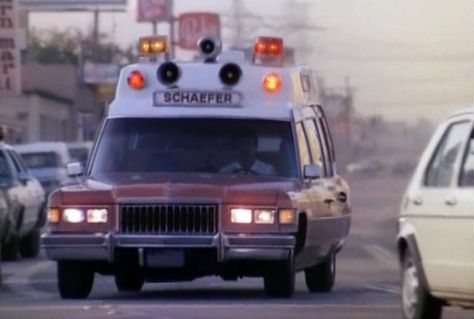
x=219, y=167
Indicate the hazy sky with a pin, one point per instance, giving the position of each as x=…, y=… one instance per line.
x=405, y=58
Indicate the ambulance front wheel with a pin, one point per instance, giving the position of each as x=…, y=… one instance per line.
x=75, y=279
x=320, y=278
x=279, y=279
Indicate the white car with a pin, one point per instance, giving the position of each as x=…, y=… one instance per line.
x=436, y=236
x=47, y=162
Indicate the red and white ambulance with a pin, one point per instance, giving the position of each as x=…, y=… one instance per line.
x=223, y=167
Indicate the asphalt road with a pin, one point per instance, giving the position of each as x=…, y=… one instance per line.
x=367, y=281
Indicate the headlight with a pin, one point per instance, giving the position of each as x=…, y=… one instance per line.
x=241, y=215
x=287, y=216
x=264, y=216
x=97, y=215
x=73, y=215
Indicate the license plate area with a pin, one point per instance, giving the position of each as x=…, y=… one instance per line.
x=165, y=258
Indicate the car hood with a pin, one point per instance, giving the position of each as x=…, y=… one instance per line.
x=231, y=189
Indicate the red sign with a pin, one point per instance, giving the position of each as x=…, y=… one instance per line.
x=152, y=10
x=193, y=26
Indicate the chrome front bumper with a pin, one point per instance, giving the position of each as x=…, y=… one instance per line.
x=229, y=247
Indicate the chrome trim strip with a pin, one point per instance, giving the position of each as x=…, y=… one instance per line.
x=165, y=241
x=167, y=200
x=256, y=254
x=434, y=216
x=259, y=241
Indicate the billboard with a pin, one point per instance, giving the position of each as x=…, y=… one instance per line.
x=10, y=72
x=195, y=25
x=153, y=10
x=73, y=5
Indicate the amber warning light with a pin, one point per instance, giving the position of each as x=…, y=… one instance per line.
x=272, y=82
x=152, y=46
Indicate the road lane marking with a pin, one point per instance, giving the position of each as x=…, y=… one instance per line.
x=388, y=289
x=20, y=282
x=383, y=255
x=25, y=308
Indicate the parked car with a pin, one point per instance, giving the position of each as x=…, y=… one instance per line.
x=47, y=162
x=436, y=237
x=25, y=202
x=79, y=151
x=4, y=226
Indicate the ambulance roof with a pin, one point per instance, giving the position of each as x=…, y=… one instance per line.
x=199, y=82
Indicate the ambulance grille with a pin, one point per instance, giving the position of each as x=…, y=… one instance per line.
x=168, y=219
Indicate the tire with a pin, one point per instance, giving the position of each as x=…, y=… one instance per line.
x=0, y=265
x=30, y=244
x=320, y=278
x=75, y=279
x=10, y=249
x=417, y=302
x=129, y=282
x=279, y=281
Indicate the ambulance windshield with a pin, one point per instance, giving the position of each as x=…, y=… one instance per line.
x=219, y=146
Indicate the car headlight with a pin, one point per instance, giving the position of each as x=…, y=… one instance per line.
x=97, y=215
x=79, y=215
x=73, y=215
x=241, y=215
x=264, y=216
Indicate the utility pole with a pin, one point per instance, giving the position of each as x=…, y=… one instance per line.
x=171, y=20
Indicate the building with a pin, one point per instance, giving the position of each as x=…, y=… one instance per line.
x=53, y=106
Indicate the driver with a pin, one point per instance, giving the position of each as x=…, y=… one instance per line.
x=247, y=162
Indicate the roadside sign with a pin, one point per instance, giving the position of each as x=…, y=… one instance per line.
x=152, y=10
x=72, y=5
x=192, y=26
x=10, y=72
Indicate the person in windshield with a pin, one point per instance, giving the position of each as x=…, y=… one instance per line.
x=247, y=162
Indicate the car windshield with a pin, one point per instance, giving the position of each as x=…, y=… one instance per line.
x=41, y=160
x=221, y=146
x=78, y=154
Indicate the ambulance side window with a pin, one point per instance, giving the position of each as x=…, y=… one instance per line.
x=323, y=124
x=304, y=155
x=314, y=139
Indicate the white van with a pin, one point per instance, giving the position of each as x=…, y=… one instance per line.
x=47, y=162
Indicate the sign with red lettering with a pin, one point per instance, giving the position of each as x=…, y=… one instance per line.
x=9, y=49
x=193, y=26
x=152, y=10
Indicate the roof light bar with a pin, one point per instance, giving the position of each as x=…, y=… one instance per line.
x=268, y=51
x=153, y=46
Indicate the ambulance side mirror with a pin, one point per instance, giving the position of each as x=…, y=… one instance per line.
x=74, y=169
x=312, y=171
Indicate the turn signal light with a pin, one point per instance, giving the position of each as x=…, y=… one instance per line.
x=272, y=82
x=136, y=80
x=153, y=45
x=54, y=215
x=287, y=216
